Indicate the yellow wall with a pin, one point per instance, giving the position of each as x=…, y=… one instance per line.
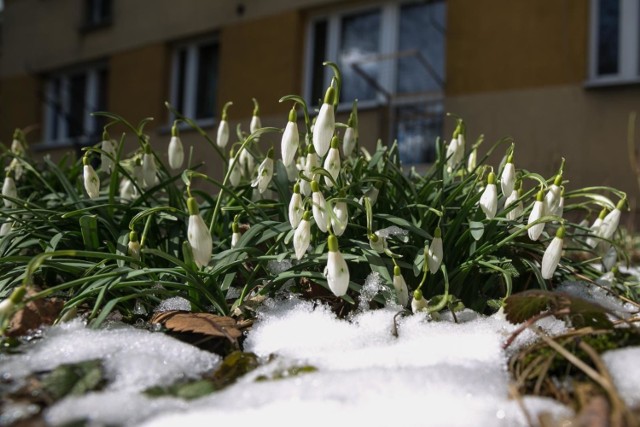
x=19, y=106
x=504, y=44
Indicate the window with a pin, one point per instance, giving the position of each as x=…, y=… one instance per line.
x=97, y=13
x=615, y=41
x=390, y=54
x=70, y=98
x=195, y=79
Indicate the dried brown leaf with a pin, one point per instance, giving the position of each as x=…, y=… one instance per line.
x=201, y=323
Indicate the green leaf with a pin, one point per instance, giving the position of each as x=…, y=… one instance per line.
x=89, y=229
x=74, y=379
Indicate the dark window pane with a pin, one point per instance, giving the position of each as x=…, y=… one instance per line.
x=98, y=11
x=608, y=36
x=421, y=29
x=77, y=106
x=56, y=104
x=417, y=127
x=101, y=101
x=319, y=55
x=207, y=80
x=181, y=80
x=360, y=37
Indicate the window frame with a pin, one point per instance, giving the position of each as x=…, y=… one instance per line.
x=56, y=126
x=629, y=46
x=387, y=43
x=189, y=107
x=93, y=18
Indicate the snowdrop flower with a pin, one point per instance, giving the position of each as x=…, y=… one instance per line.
x=91, y=180
x=109, y=149
x=128, y=190
x=489, y=198
x=592, y=240
x=265, y=173
x=198, y=235
x=319, y=207
x=377, y=242
x=332, y=162
x=176, y=150
x=302, y=236
x=400, y=286
x=436, y=252
x=340, y=218
x=247, y=163
x=133, y=247
x=235, y=170
x=18, y=144
x=508, y=177
x=309, y=165
x=235, y=236
x=559, y=210
x=418, y=302
x=9, y=190
x=552, y=198
x=255, y=123
x=337, y=271
x=611, y=221
x=223, y=127
x=537, y=212
x=149, y=168
x=16, y=167
x=6, y=228
x=455, y=153
x=372, y=193
x=290, y=139
x=9, y=305
x=517, y=211
x=350, y=136
x=472, y=161
x=325, y=124
x=295, y=207
x=552, y=255
x=292, y=171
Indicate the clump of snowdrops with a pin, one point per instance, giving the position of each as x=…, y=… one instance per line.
x=313, y=213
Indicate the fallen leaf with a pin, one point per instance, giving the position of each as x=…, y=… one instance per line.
x=35, y=314
x=201, y=323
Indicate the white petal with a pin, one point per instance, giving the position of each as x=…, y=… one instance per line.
x=200, y=240
x=508, y=178
x=402, y=292
x=302, y=238
x=236, y=172
x=176, y=153
x=349, y=141
x=9, y=189
x=290, y=142
x=551, y=258
x=536, y=213
x=323, y=129
x=255, y=124
x=223, y=134
x=610, y=224
x=319, y=210
x=295, y=210
x=91, y=181
x=551, y=199
x=149, y=170
x=418, y=305
x=489, y=201
x=109, y=147
x=265, y=174
x=339, y=223
x=234, y=239
x=337, y=273
x=332, y=165
x=436, y=253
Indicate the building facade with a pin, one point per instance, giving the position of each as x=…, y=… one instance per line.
x=559, y=77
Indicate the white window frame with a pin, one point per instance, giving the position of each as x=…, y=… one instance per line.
x=388, y=43
x=63, y=99
x=629, y=51
x=188, y=109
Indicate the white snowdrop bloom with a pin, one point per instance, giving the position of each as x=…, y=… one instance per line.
x=418, y=302
x=295, y=207
x=372, y=193
x=290, y=139
x=292, y=172
x=517, y=211
x=340, y=218
x=350, y=135
x=235, y=236
x=175, y=152
x=91, y=180
x=9, y=190
x=325, y=124
x=6, y=228
x=472, y=161
x=508, y=177
x=377, y=242
x=592, y=240
x=400, y=286
x=559, y=211
x=198, y=235
x=247, y=162
x=18, y=144
x=133, y=247
x=319, y=207
x=610, y=223
x=489, y=198
x=109, y=149
x=9, y=305
x=302, y=236
x=149, y=169
x=255, y=124
x=128, y=191
x=552, y=199
x=455, y=153
x=436, y=252
x=16, y=167
x=236, y=170
x=537, y=212
x=265, y=173
x=552, y=255
x=332, y=162
x=222, y=137
x=337, y=271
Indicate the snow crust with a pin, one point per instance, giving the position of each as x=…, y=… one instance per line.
x=623, y=367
